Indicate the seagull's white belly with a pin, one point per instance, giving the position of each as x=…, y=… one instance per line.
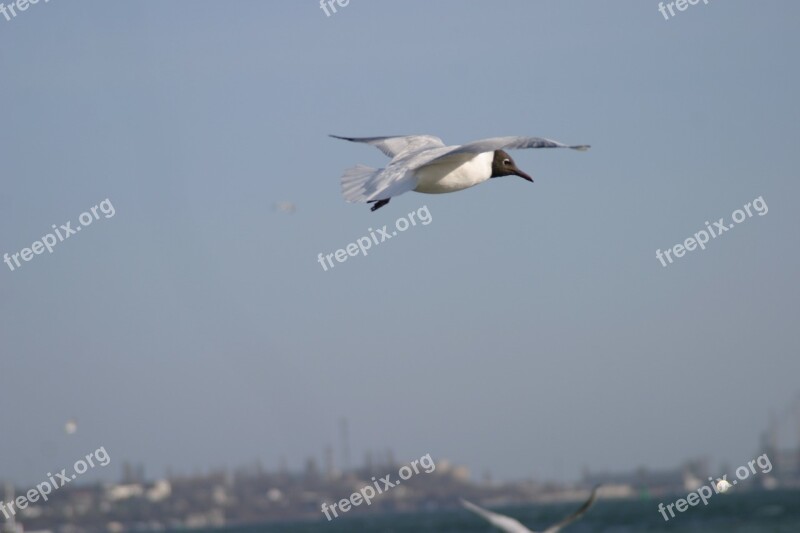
x=450, y=177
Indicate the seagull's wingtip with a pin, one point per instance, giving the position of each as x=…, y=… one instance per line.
x=581, y=147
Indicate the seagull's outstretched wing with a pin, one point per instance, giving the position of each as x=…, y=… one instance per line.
x=499, y=521
x=367, y=184
x=502, y=143
x=393, y=146
x=555, y=528
x=513, y=143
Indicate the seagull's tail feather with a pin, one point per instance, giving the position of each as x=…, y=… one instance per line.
x=354, y=182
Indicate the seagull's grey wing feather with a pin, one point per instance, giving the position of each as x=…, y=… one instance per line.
x=503, y=143
x=499, y=521
x=393, y=146
x=513, y=143
x=555, y=528
x=365, y=184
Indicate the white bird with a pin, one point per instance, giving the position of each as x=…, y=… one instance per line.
x=510, y=525
x=723, y=485
x=423, y=163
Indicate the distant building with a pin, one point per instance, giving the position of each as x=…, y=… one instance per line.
x=652, y=482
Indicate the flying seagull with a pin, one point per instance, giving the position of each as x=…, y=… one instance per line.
x=510, y=525
x=423, y=163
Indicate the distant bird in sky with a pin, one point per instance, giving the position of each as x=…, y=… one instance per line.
x=71, y=426
x=284, y=207
x=423, y=163
x=511, y=525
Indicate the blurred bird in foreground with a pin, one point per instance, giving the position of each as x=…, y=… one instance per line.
x=511, y=525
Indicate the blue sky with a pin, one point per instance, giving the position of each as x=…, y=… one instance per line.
x=528, y=330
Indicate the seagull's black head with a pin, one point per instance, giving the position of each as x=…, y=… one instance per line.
x=503, y=165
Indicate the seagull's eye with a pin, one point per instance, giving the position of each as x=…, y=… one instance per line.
x=507, y=162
